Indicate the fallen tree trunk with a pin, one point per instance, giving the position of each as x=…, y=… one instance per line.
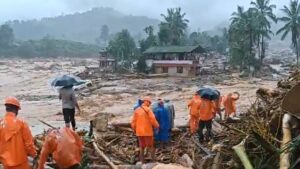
x=217, y=159
x=241, y=153
x=128, y=125
x=101, y=153
x=287, y=138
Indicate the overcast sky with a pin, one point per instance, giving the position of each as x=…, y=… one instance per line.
x=205, y=14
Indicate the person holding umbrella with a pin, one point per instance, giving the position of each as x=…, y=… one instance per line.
x=206, y=115
x=209, y=96
x=69, y=102
x=68, y=98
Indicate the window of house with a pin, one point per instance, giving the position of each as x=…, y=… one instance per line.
x=179, y=69
x=165, y=69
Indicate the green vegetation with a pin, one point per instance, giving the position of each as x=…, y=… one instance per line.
x=172, y=29
x=264, y=13
x=214, y=43
x=151, y=39
x=248, y=33
x=6, y=36
x=81, y=27
x=46, y=47
x=141, y=65
x=292, y=24
x=104, y=36
x=123, y=48
x=245, y=41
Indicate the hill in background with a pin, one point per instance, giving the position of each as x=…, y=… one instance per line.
x=82, y=27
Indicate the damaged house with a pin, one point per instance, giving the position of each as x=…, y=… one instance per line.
x=174, y=60
x=106, y=62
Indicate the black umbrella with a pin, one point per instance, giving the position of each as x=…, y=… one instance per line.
x=209, y=93
x=66, y=80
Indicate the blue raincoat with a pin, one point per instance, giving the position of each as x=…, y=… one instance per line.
x=162, y=117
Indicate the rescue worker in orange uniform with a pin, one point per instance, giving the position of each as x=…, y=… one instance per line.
x=66, y=147
x=229, y=104
x=194, y=108
x=16, y=141
x=218, y=104
x=142, y=123
x=206, y=115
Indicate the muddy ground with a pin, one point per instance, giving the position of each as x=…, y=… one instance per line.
x=29, y=80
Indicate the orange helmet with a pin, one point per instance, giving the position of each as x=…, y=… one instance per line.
x=147, y=98
x=13, y=101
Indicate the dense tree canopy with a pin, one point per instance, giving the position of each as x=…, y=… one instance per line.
x=151, y=39
x=216, y=43
x=291, y=19
x=46, y=47
x=6, y=36
x=242, y=34
x=123, y=48
x=173, y=28
x=264, y=13
x=104, y=36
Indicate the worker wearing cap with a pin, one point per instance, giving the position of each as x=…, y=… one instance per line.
x=16, y=141
x=229, y=104
x=142, y=123
x=194, y=108
x=66, y=147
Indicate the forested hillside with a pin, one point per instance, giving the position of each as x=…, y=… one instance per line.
x=82, y=27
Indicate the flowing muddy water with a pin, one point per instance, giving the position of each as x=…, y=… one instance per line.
x=29, y=80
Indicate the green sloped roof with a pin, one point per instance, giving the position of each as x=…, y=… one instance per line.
x=173, y=49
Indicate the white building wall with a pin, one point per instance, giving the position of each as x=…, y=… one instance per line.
x=172, y=71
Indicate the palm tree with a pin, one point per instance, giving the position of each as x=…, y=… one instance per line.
x=242, y=33
x=292, y=24
x=149, y=30
x=265, y=13
x=176, y=23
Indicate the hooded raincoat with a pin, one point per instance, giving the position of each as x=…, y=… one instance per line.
x=162, y=116
x=66, y=147
x=16, y=142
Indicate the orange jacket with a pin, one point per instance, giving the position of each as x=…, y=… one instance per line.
x=66, y=147
x=207, y=110
x=16, y=142
x=143, y=121
x=229, y=104
x=194, y=106
x=218, y=104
